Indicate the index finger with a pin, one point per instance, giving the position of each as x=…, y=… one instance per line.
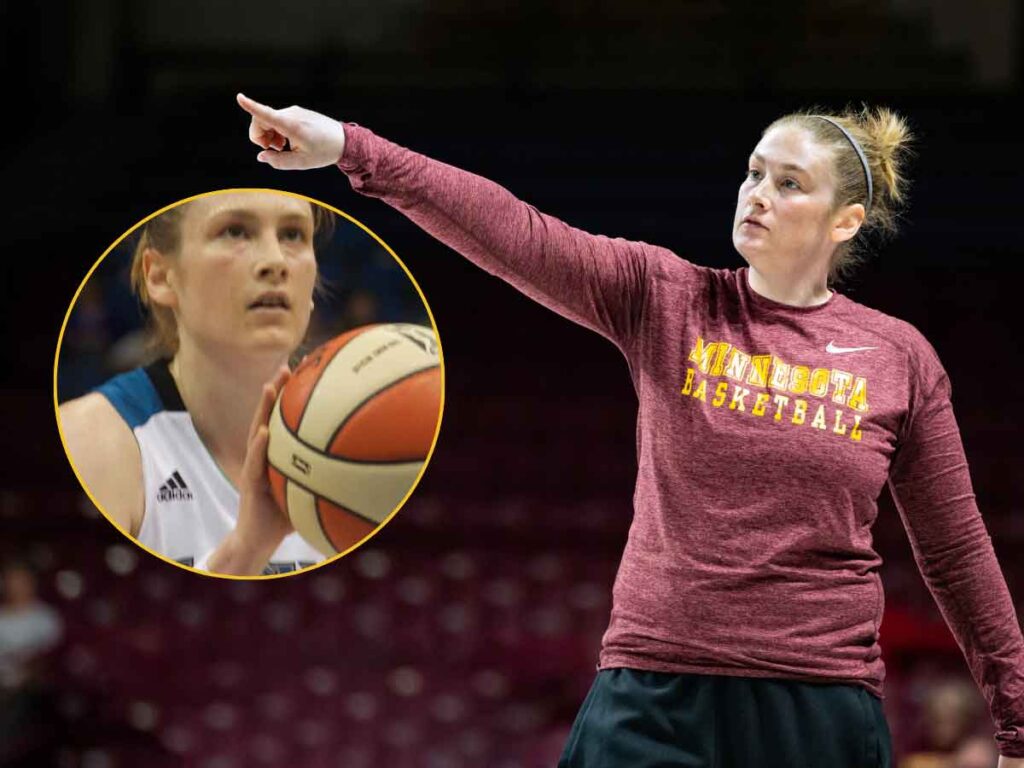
x=268, y=397
x=283, y=374
x=265, y=114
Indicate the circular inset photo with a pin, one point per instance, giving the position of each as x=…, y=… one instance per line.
x=248, y=383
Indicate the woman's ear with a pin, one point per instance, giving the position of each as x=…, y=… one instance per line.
x=159, y=279
x=847, y=222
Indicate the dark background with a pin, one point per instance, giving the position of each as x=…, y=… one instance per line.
x=625, y=119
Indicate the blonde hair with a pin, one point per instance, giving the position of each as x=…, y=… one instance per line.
x=163, y=233
x=885, y=138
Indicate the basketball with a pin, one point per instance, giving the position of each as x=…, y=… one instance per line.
x=351, y=430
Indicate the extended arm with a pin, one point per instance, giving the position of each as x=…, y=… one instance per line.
x=594, y=280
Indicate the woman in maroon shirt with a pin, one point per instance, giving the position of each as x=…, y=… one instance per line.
x=746, y=610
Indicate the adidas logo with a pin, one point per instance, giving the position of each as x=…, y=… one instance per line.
x=174, y=489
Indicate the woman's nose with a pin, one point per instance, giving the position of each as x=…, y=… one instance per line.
x=759, y=196
x=271, y=262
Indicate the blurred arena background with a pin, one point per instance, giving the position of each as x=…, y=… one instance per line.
x=466, y=633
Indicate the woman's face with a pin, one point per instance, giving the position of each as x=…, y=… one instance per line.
x=245, y=272
x=784, y=215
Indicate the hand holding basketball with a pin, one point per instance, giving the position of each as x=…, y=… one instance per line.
x=261, y=525
x=259, y=517
x=313, y=140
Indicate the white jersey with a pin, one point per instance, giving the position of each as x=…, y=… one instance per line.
x=190, y=505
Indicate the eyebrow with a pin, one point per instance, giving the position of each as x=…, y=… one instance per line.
x=785, y=166
x=249, y=215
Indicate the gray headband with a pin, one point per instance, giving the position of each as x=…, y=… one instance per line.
x=860, y=154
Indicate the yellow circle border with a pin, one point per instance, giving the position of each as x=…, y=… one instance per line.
x=386, y=520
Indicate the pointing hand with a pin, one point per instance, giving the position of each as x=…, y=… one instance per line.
x=293, y=138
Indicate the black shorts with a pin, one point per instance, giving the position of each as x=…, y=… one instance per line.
x=638, y=719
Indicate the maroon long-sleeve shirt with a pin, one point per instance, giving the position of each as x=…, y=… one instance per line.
x=765, y=434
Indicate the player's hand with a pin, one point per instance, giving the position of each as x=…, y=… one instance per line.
x=261, y=524
x=1010, y=762
x=293, y=139
x=259, y=517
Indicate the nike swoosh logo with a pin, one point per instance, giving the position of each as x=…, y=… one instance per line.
x=840, y=350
